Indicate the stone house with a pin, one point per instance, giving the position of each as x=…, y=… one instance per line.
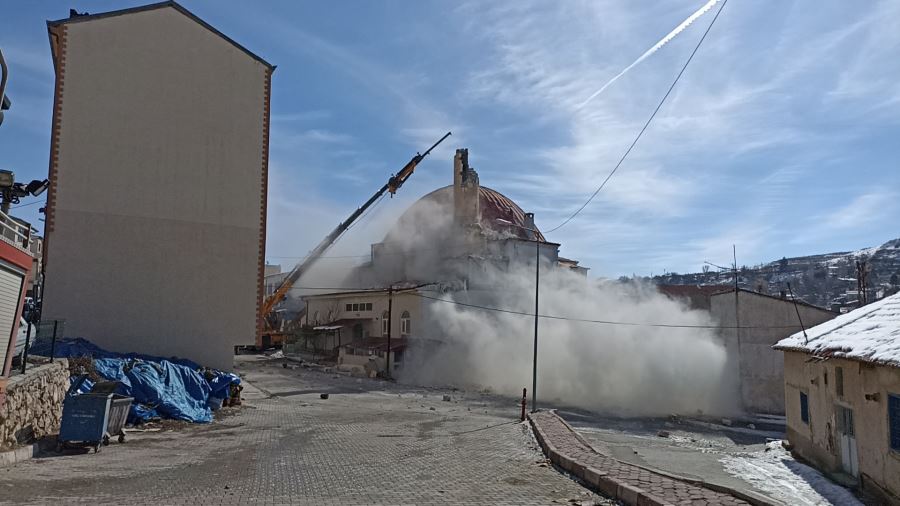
x=750, y=323
x=842, y=387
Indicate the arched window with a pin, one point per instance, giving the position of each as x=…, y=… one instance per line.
x=316, y=318
x=404, y=323
x=385, y=324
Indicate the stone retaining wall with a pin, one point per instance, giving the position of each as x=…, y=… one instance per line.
x=33, y=406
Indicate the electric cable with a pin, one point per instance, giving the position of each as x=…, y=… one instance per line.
x=646, y=125
x=548, y=317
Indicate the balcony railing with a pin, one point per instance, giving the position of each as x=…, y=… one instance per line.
x=15, y=232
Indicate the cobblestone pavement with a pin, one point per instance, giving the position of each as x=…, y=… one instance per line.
x=370, y=443
x=572, y=447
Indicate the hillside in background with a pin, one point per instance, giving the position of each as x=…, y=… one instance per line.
x=828, y=280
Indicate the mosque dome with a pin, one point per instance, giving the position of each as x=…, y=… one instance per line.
x=494, y=207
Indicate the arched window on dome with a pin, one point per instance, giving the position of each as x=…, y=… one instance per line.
x=385, y=323
x=404, y=324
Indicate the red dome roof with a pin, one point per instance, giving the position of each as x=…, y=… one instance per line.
x=494, y=206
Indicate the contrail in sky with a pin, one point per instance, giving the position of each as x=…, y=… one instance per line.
x=665, y=40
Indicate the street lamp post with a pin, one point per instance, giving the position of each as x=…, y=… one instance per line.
x=537, y=281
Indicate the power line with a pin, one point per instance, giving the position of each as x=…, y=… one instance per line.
x=646, y=125
x=28, y=204
x=604, y=322
x=548, y=317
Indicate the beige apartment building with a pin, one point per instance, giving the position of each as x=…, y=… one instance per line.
x=156, y=214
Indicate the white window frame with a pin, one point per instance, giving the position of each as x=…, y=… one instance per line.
x=405, y=324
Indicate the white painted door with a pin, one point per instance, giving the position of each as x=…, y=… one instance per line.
x=10, y=296
x=849, y=457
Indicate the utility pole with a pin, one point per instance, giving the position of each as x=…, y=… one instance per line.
x=862, y=284
x=537, y=284
x=797, y=309
x=737, y=296
x=390, y=317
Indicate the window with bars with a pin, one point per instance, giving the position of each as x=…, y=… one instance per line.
x=804, y=408
x=894, y=421
x=356, y=307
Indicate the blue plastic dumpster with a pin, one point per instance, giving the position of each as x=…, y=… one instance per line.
x=91, y=419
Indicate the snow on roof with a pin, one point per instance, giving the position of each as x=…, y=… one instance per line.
x=870, y=334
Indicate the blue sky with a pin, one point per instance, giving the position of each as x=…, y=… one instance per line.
x=780, y=138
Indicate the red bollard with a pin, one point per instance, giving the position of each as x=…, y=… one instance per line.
x=524, y=402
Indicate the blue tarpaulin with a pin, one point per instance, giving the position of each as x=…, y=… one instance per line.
x=169, y=388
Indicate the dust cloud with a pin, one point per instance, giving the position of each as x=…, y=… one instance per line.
x=625, y=370
x=629, y=370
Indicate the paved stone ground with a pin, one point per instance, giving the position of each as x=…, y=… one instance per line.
x=370, y=443
x=569, y=444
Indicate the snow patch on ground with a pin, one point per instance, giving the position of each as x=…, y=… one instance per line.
x=775, y=473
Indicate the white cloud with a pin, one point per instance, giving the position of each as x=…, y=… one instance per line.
x=759, y=89
x=862, y=210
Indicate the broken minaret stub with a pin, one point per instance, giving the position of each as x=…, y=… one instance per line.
x=529, y=225
x=466, y=205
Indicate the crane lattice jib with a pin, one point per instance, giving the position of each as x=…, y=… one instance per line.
x=393, y=184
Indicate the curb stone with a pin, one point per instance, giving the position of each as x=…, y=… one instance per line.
x=752, y=498
x=614, y=487
x=23, y=453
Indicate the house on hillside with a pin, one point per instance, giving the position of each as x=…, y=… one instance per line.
x=749, y=324
x=156, y=212
x=842, y=386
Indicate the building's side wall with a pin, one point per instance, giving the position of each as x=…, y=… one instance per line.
x=333, y=307
x=760, y=369
x=156, y=208
x=819, y=441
